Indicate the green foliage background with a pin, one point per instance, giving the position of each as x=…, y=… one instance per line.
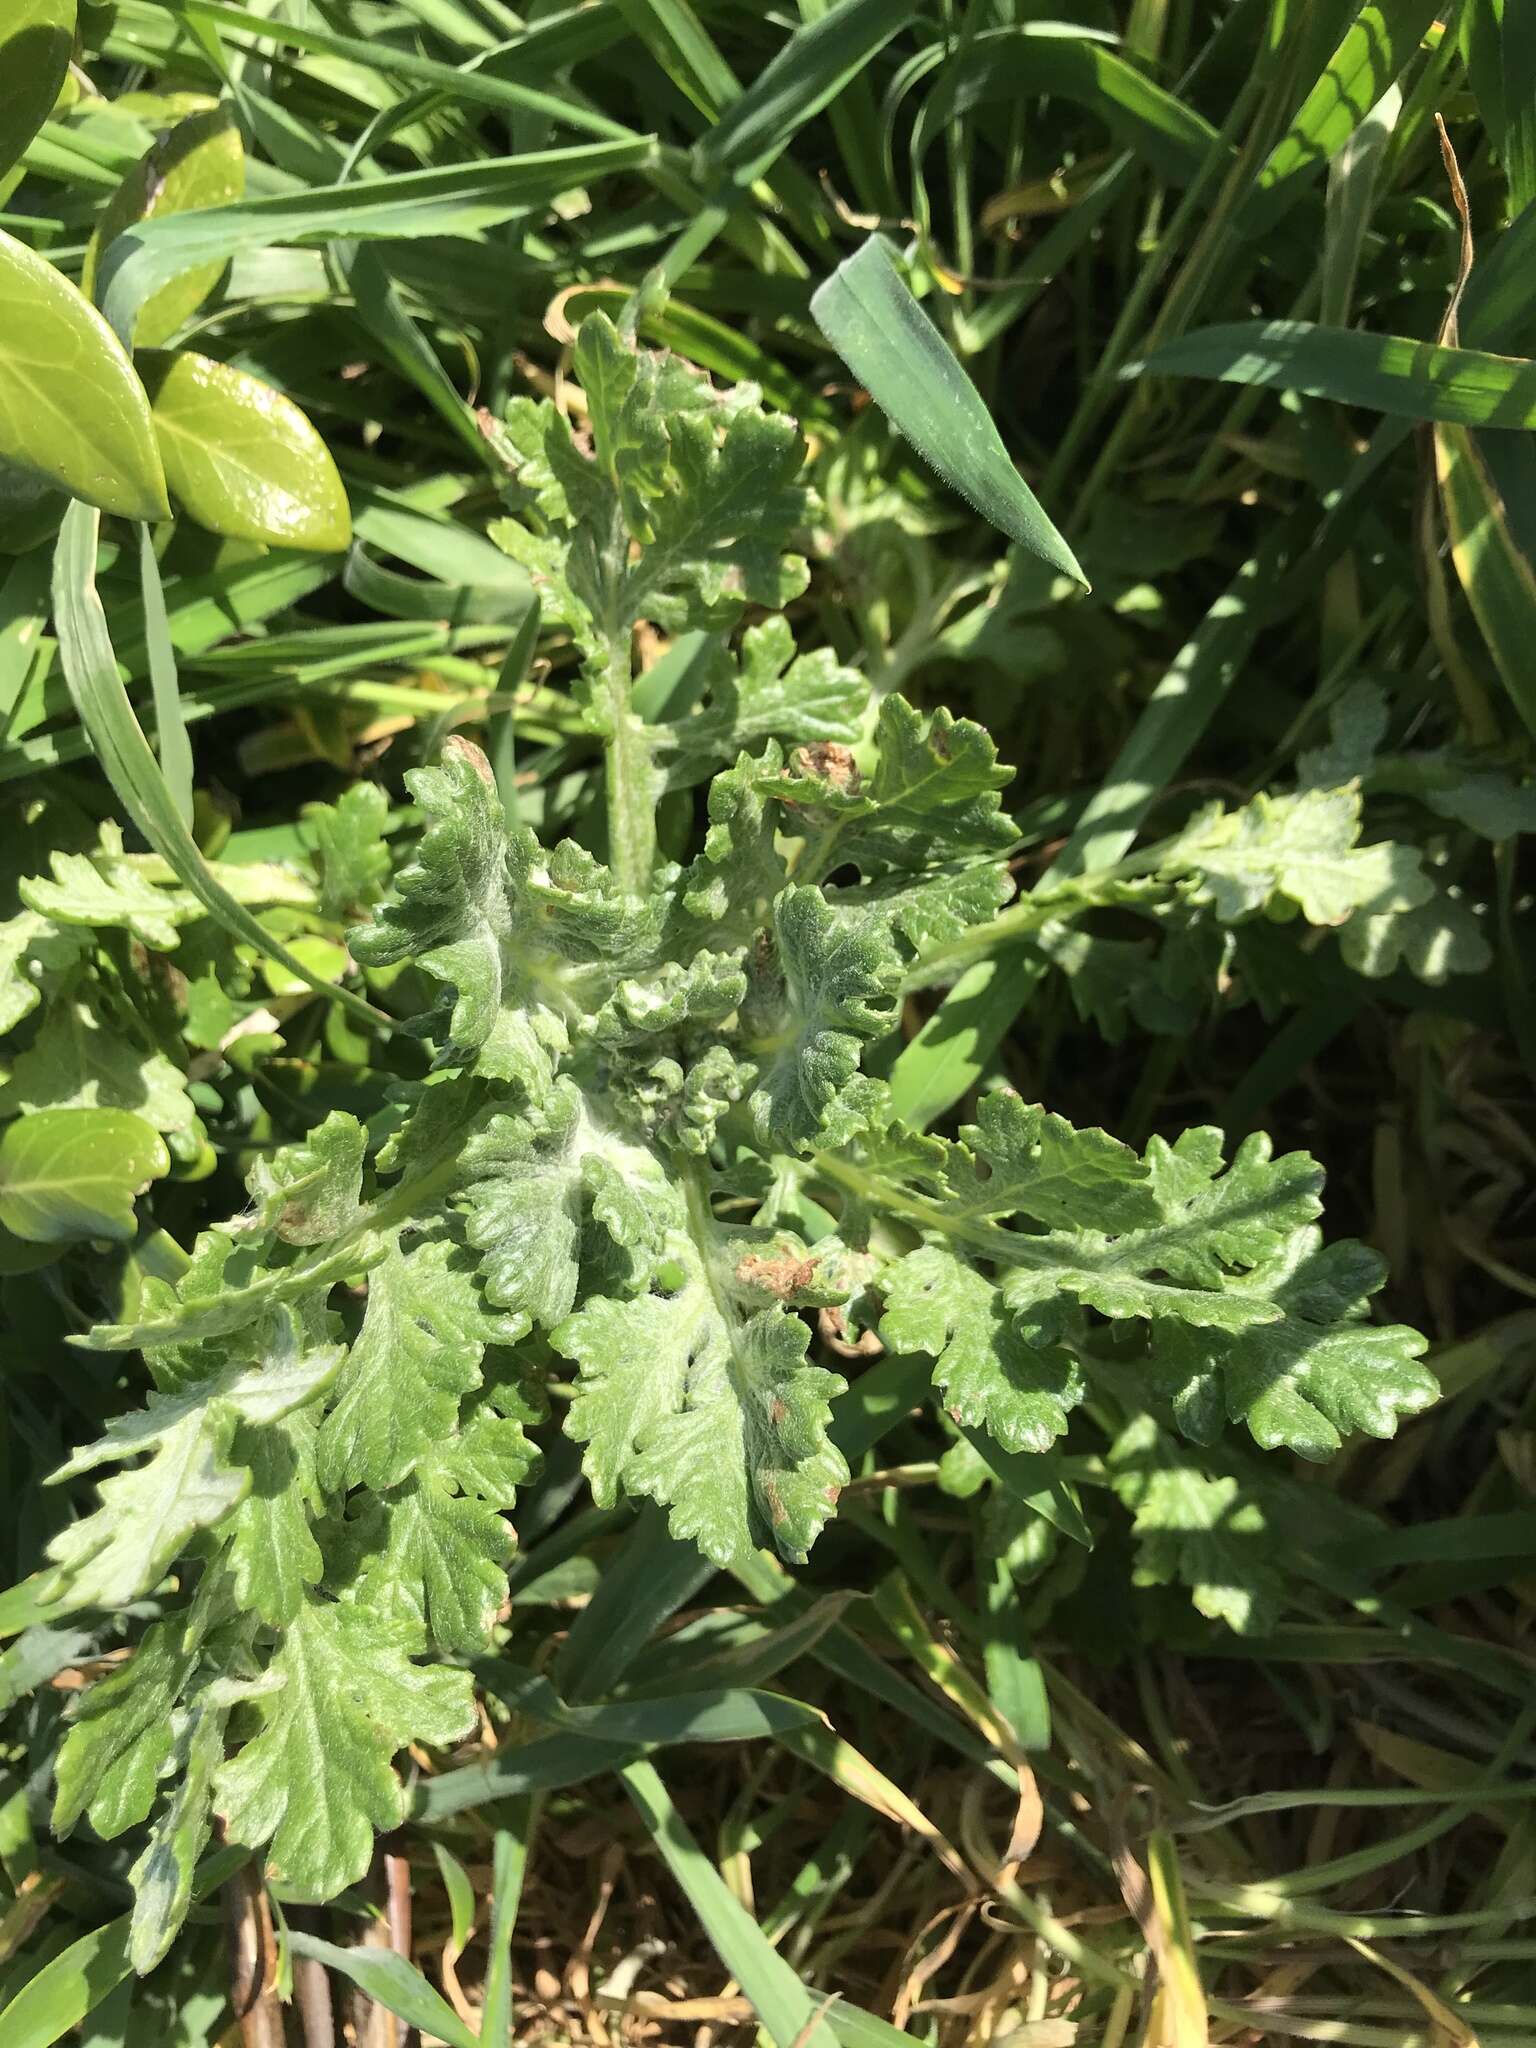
x=1165, y=384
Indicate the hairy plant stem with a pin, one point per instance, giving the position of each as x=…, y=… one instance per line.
x=631, y=776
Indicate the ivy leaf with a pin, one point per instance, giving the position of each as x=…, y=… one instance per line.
x=1313, y=1370
x=991, y=1377
x=1195, y=1262
x=310, y=1193
x=433, y=1554
x=1301, y=849
x=425, y=1328
x=121, y=1739
x=147, y=1516
x=349, y=848
x=162, y=1876
x=1434, y=940
x=771, y=693
x=1025, y=1160
x=835, y=982
x=1196, y=1529
x=711, y=1410
x=934, y=790
x=273, y=1555
x=315, y=1780
x=81, y=1060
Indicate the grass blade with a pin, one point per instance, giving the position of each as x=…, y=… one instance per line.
x=171, y=742
x=1041, y=58
x=812, y=68
x=871, y=318
x=55, y=2001
x=510, y=1862
x=1390, y=373
x=390, y=1981
x=782, y=2002
x=1379, y=43
x=85, y=650
x=458, y=200
x=1495, y=571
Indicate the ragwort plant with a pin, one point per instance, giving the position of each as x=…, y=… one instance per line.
x=652, y=1138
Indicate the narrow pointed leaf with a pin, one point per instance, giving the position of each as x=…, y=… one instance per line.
x=870, y=317
x=241, y=458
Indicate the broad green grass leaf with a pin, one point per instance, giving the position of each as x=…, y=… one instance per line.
x=459, y=199
x=646, y=1582
x=71, y=408
x=241, y=458
x=817, y=62
x=1495, y=571
x=37, y=39
x=393, y=1982
x=1352, y=181
x=201, y=162
x=1375, y=50
x=85, y=649
x=1416, y=380
x=1038, y=59
x=542, y=49
x=172, y=746
x=782, y=2002
x=316, y=1780
x=1517, y=52
x=73, y=1173
x=686, y=51
x=509, y=1862
x=72, y=1985
x=869, y=315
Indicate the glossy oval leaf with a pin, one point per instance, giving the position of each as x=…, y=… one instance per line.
x=36, y=39
x=871, y=318
x=71, y=407
x=1415, y=380
x=201, y=162
x=67, y=1174
x=241, y=458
